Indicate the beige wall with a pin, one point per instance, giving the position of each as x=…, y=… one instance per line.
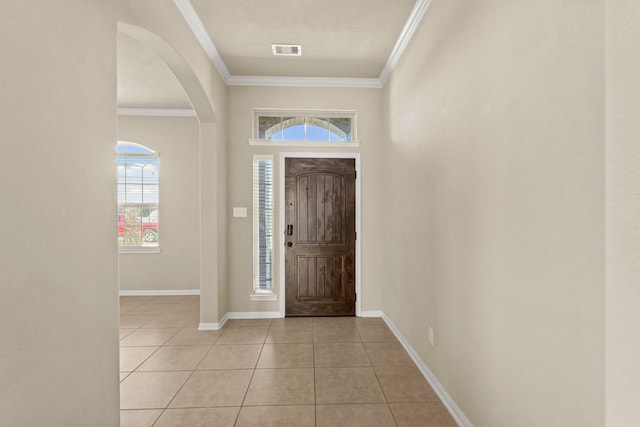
x=58, y=258
x=207, y=91
x=242, y=101
x=623, y=213
x=176, y=267
x=483, y=191
x=494, y=141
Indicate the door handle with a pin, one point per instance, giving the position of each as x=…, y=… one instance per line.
x=289, y=229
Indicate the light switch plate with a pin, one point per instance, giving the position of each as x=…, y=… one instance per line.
x=239, y=212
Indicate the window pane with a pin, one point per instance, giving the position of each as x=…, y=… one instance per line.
x=121, y=193
x=133, y=171
x=138, y=197
x=305, y=128
x=132, y=226
x=293, y=128
x=149, y=172
x=126, y=147
x=270, y=127
x=150, y=193
x=340, y=128
x=317, y=129
x=294, y=133
x=138, y=226
x=133, y=193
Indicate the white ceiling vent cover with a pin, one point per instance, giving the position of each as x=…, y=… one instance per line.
x=286, y=49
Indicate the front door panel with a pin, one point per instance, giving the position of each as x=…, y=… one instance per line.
x=320, y=237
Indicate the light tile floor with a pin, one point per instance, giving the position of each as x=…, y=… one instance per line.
x=340, y=371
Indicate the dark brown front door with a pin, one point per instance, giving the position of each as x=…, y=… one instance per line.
x=320, y=237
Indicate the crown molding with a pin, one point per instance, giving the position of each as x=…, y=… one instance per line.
x=157, y=112
x=193, y=20
x=417, y=13
x=304, y=81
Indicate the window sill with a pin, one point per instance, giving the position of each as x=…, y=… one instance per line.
x=263, y=296
x=336, y=144
x=123, y=251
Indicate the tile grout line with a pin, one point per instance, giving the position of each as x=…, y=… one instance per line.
x=159, y=416
x=158, y=349
x=269, y=329
x=179, y=389
x=141, y=363
x=383, y=393
x=253, y=371
x=313, y=362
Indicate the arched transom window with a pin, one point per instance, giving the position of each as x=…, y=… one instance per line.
x=314, y=126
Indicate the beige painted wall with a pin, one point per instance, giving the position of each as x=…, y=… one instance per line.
x=242, y=101
x=206, y=88
x=58, y=292
x=494, y=123
x=176, y=139
x=623, y=213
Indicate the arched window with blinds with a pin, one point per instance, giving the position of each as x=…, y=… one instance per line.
x=138, y=197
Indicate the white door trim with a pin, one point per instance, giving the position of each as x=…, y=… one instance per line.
x=280, y=230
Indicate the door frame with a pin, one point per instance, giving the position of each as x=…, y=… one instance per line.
x=281, y=220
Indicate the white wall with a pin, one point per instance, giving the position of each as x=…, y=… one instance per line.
x=623, y=213
x=494, y=135
x=176, y=267
x=58, y=291
x=242, y=101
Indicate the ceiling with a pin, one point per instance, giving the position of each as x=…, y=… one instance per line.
x=339, y=38
x=344, y=43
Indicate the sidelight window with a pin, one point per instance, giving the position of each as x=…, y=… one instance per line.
x=263, y=227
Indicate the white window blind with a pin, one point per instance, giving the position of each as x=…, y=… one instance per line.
x=138, y=196
x=263, y=224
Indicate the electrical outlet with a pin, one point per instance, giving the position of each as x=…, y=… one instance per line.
x=431, y=335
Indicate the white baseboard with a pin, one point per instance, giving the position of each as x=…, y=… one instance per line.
x=451, y=405
x=213, y=326
x=253, y=315
x=159, y=292
x=370, y=313
x=238, y=315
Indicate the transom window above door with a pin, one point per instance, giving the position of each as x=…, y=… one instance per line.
x=304, y=128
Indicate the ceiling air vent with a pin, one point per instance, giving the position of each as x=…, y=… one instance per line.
x=286, y=49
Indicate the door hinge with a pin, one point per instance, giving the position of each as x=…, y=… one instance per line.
x=355, y=174
x=356, y=234
x=356, y=296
